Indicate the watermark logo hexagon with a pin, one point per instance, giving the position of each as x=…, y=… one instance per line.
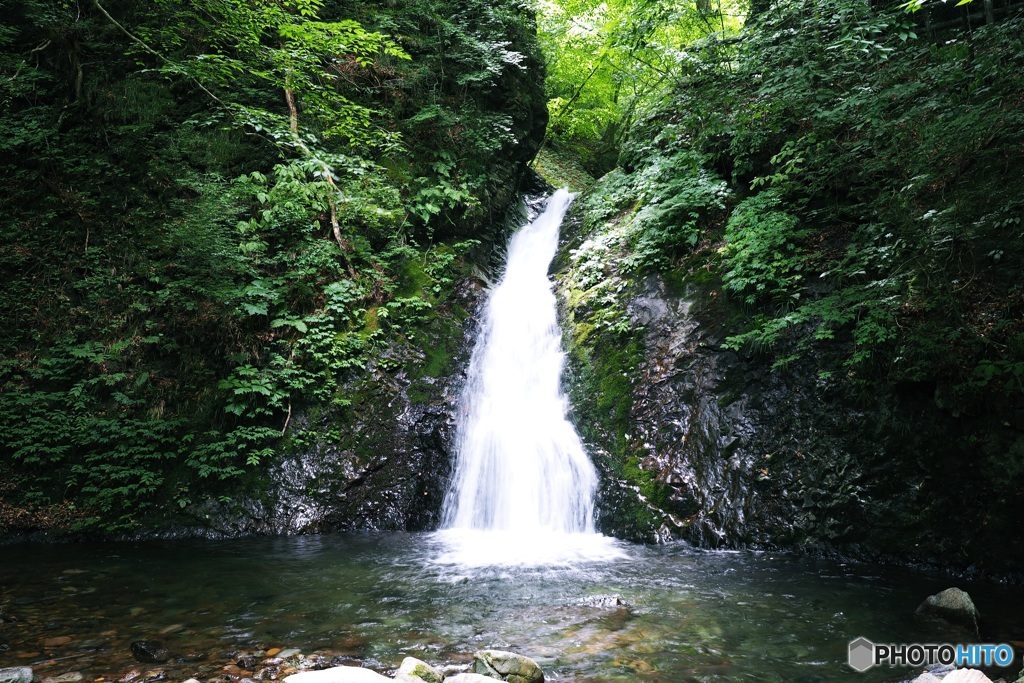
x=862, y=654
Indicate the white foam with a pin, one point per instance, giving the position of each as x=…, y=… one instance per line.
x=522, y=477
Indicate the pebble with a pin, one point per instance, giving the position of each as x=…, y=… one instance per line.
x=247, y=661
x=57, y=642
x=151, y=651
x=192, y=680
x=173, y=628
x=290, y=652
x=273, y=652
x=70, y=677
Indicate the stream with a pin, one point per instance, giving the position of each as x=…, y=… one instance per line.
x=370, y=599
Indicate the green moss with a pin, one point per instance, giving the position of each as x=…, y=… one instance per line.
x=561, y=169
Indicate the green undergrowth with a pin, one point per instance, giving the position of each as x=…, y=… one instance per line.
x=219, y=216
x=811, y=185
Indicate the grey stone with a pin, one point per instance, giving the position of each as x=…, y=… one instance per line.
x=470, y=678
x=414, y=670
x=150, y=651
x=926, y=678
x=18, y=674
x=966, y=676
x=507, y=666
x=953, y=605
x=603, y=601
x=338, y=674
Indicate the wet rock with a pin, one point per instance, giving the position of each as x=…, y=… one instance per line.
x=173, y=628
x=413, y=670
x=470, y=678
x=192, y=680
x=966, y=676
x=70, y=677
x=507, y=666
x=18, y=674
x=248, y=661
x=150, y=651
x=290, y=652
x=603, y=601
x=338, y=674
x=273, y=652
x=953, y=605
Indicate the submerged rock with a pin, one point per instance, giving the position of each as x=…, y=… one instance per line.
x=70, y=677
x=18, y=674
x=150, y=651
x=507, y=666
x=953, y=605
x=338, y=674
x=414, y=670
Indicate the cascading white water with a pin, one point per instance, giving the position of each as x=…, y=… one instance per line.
x=522, y=475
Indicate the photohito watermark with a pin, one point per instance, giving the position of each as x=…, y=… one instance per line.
x=864, y=654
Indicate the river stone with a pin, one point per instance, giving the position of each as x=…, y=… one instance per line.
x=470, y=678
x=966, y=676
x=414, y=671
x=150, y=651
x=70, y=677
x=953, y=605
x=18, y=674
x=338, y=674
x=507, y=666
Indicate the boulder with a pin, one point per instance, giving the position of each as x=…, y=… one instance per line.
x=953, y=605
x=150, y=651
x=413, y=670
x=18, y=674
x=966, y=676
x=338, y=674
x=507, y=666
x=470, y=678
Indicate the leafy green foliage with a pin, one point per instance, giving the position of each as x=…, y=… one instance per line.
x=210, y=217
x=609, y=60
x=762, y=260
x=865, y=222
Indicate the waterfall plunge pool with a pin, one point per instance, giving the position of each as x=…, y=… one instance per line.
x=373, y=598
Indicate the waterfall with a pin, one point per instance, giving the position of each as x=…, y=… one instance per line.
x=521, y=471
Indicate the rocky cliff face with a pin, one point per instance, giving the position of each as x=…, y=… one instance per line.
x=699, y=442
x=383, y=460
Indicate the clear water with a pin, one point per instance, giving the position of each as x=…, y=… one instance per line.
x=374, y=598
x=521, y=471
